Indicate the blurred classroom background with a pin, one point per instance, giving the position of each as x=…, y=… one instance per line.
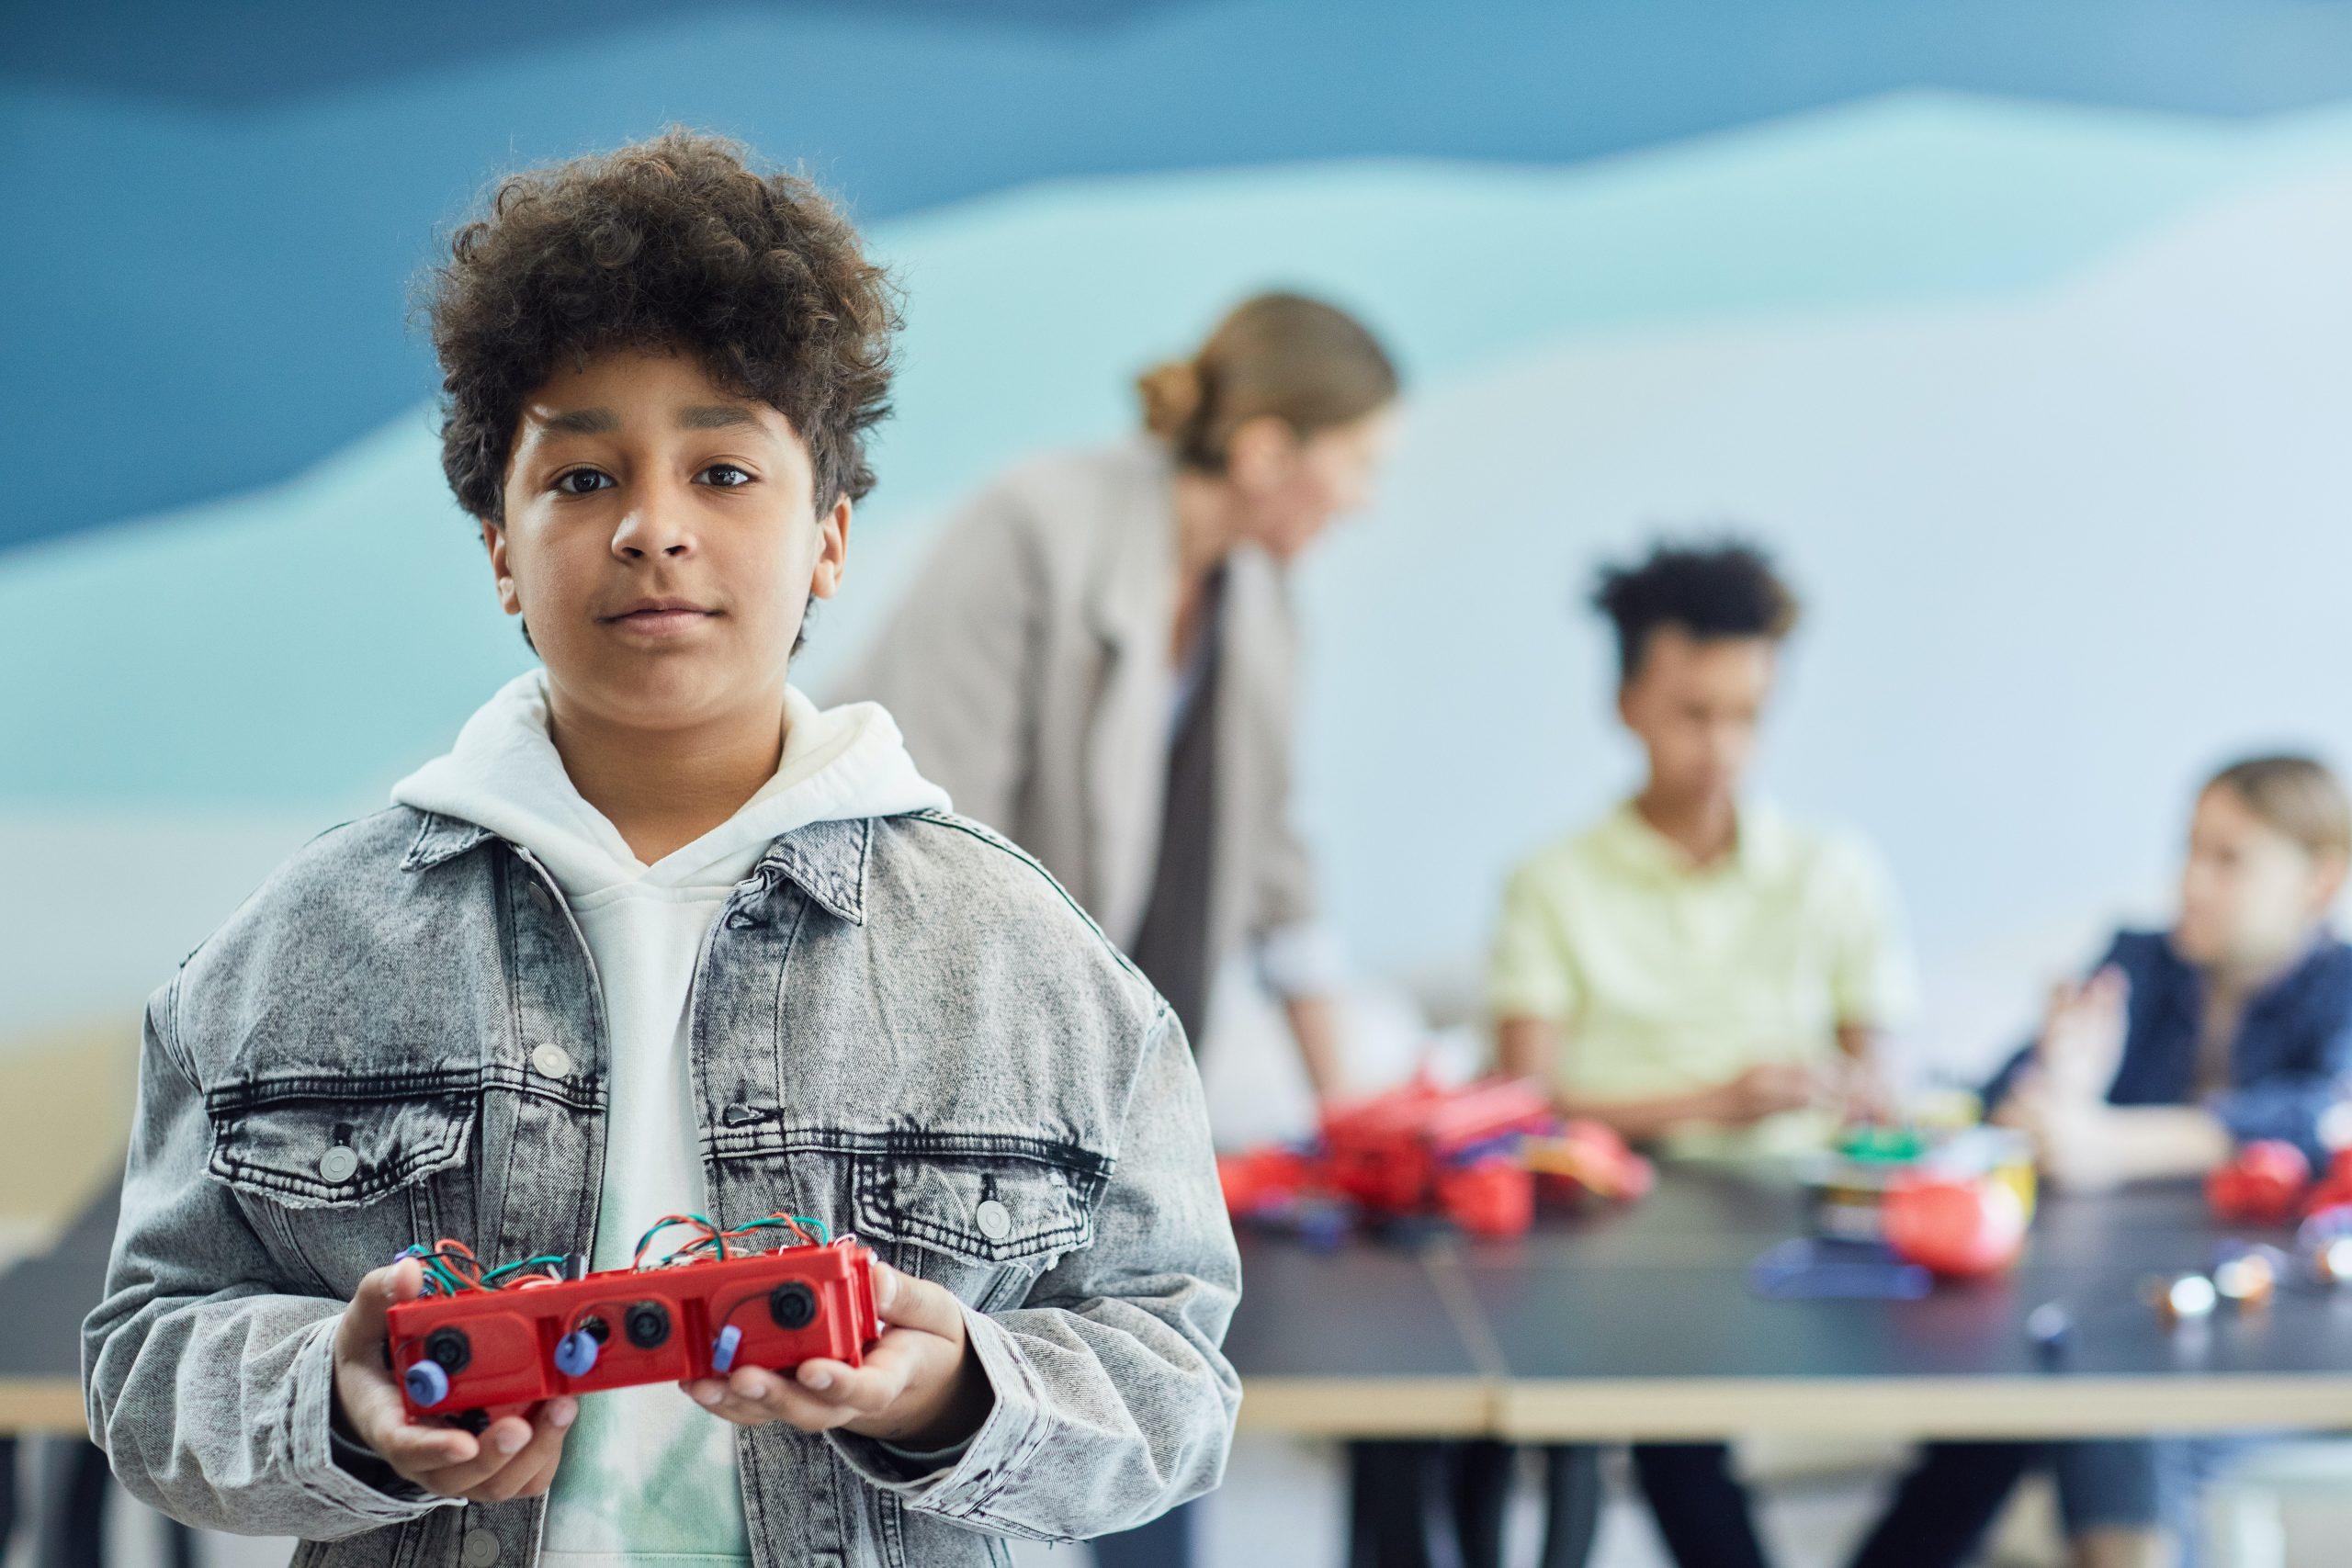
x=2018, y=329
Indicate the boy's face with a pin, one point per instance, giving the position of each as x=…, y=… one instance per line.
x=1695, y=704
x=635, y=478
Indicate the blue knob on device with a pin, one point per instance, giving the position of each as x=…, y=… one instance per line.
x=427, y=1384
x=575, y=1353
x=722, y=1353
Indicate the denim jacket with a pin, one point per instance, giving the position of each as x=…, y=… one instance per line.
x=893, y=1020
x=2290, y=1061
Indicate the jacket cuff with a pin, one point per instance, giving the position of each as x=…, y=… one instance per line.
x=316, y=1452
x=995, y=1455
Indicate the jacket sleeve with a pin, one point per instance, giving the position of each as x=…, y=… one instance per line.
x=212, y=1389
x=1114, y=1400
x=953, y=662
x=2291, y=1103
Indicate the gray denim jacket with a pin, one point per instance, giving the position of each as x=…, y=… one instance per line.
x=892, y=1021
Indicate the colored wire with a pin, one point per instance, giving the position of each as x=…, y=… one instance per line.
x=450, y=1265
x=497, y=1277
x=711, y=1233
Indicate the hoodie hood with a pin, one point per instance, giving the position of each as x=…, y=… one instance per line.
x=504, y=774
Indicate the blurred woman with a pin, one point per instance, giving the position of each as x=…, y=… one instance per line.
x=1098, y=662
x=2235, y=1024
x=1097, y=659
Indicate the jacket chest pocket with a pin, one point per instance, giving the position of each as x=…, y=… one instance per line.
x=343, y=1173
x=981, y=1222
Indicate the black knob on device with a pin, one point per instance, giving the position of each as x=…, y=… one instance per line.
x=450, y=1348
x=649, y=1325
x=793, y=1304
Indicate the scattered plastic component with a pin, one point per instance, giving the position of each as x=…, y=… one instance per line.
x=1955, y=1226
x=2248, y=1276
x=427, y=1384
x=2052, y=1328
x=2261, y=1184
x=575, y=1354
x=1808, y=1268
x=2181, y=1298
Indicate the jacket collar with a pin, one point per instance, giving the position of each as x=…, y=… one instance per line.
x=825, y=859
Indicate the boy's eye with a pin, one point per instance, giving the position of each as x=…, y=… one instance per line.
x=725, y=476
x=581, y=481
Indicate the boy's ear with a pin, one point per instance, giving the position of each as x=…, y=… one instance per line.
x=832, y=551
x=493, y=539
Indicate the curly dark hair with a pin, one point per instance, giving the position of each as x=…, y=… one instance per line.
x=1724, y=590
x=680, y=242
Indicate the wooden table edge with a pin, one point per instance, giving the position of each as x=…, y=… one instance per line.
x=42, y=1404
x=1369, y=1407
x=2023, y=1407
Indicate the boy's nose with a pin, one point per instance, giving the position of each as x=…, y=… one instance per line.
x=655, y=525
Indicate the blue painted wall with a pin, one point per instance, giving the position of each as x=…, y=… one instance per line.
x=2019, y=329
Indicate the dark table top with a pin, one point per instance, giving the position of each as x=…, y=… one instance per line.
x=1634, y=1322
x=1639, y=1322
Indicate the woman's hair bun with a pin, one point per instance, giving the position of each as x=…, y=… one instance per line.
x=1171, y=396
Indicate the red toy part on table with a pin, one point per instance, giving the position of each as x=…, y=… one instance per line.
x=1473, y=1154
x=2332, y=1190
x=1954, y=1227
x=1388, y=1151
x=1492, y=1196
x=2261, y=1184
x=1589, y=1157
x=503, y=1350
x=1259, y=1181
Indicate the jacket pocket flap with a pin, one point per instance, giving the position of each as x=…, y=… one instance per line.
x=313, y=1143
x=991, y=1207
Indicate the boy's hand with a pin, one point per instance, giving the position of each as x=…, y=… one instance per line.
x=921, y=1387
x=513, y=1457
x=1767, y=1088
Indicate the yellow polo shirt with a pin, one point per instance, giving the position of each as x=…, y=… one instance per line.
x=1664, y=977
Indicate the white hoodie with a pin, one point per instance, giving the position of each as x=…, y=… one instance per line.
x=646, y=1474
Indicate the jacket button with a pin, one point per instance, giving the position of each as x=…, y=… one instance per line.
x=338, y=1163
x=996, y=1220
x=552, y=1060
x=481, y=1549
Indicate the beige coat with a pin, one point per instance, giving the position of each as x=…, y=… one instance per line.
x=1030, y=669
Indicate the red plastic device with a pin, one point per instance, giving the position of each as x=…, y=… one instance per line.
x=2261, y=1184
x=1956, y=1227
x=1389, y=1152
x=499, y=1351
x=1476, y=1154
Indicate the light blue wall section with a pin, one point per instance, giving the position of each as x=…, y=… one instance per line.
x=2041, y=403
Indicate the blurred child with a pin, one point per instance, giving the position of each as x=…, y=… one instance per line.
x=2235, y=1024
x=1694, y=969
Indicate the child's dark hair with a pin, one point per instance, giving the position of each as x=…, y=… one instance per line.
x=676, y=242
x=1726, y=590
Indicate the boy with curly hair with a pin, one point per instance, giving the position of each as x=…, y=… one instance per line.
x=658, y=934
